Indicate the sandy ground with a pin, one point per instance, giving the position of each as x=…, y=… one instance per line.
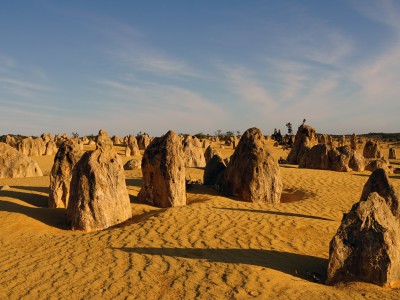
x=213, y=248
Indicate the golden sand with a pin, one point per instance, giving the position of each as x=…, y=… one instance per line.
x=213, y=248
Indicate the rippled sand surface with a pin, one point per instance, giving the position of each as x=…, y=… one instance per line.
x=213, y=248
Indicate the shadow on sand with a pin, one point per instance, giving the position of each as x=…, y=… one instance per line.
x=32, y=199
x=303, y=266
x=39, y=189
x=134, y=182
x=55, y=217
x=279, y=213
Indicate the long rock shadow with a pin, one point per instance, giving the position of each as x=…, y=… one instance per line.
x=276, y=213
x=55, y=217
x=303, y=266
x=134, y=182
x=30, y=198
x=40, y=189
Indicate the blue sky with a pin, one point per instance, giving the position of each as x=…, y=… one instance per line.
x=199, y=66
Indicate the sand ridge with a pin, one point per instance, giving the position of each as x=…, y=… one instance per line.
x=213, y=248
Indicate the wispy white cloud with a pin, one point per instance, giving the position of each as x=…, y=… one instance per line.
x=21, y=88
x=152, y=106
x=6, y=61
x=145, y=59
x=384, y=11
x=242, y=82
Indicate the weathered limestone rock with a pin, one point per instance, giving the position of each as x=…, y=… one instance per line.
x=196, y=142
x=376, y=164
x=353, y=160
x=61, y=174
x=209, y=153
x=98, y=196
x=353, y=141
x=117, y=140
x=214, y=171
x=379, y=182
x=51, y=148
x=305, y=139
x=163, y=169
x=46, y=137
x=318, y=157
x=10, y=140
x=14, y=164
x=32, y=147
x=133, y=164
x=132, y=148
x=206, y=143
x=194, y=155
x=372, y=150
x=325, y=157
x=392, y=153
x=143, y=141
x=330, y=140
x=366, y=246
x=342, y=141
x=323, y=139
x=252, y=173
x=85, y=140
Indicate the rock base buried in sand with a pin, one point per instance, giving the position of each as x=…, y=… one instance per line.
x=163, y=169
x=304, y=140
x=98, y=197
x=252, y=174
x=366, y=246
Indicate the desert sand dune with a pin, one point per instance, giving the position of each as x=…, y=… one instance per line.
x=213, y=248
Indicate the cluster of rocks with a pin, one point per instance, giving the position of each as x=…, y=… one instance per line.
x=90, y=185
x=305, y=139
x=14, y=164
x=366, y=246
x=325, y=157
x=98, y=195
x=328, y=155
x=251, y=174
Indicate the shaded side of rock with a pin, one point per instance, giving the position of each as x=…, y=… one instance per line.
x=209, y=153
x=304, y=140
x=214, y=170
x=61, y=173
x=392, y=153
x=372, y=150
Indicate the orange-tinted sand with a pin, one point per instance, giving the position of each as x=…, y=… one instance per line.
x=213, y=248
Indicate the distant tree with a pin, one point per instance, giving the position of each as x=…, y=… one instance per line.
x=200, y=135
x=218, y=132
x=237, y=132
x=274, y=134
x=289, y=128
x=229, y=134
x=75, y=135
